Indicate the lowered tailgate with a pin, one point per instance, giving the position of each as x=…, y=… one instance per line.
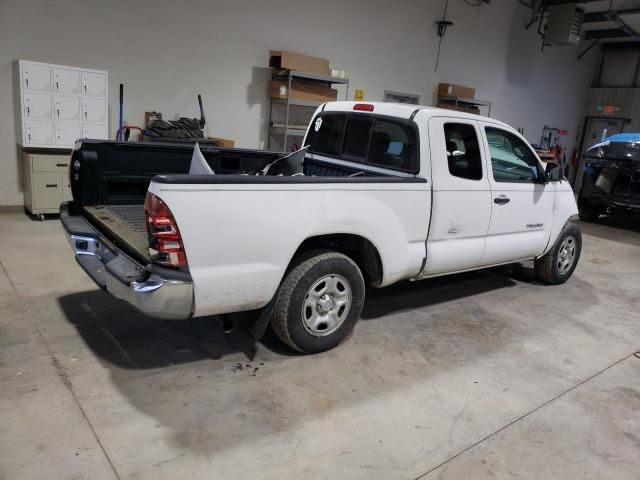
x=154, y=290
x=124, y=225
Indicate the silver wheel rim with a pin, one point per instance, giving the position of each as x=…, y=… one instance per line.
x=566, y=254
x=326, y=305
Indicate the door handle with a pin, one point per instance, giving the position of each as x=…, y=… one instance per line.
x=501, y=200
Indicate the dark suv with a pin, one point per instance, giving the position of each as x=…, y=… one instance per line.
x=611, y=181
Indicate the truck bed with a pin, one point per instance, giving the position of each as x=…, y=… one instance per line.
x=126, y=227
x=109, y=181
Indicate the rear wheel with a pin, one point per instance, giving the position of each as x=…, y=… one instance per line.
x=559, y=263
x=319, y=302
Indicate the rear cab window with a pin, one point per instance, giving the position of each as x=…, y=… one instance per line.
x=377, y=141
x=463, y=151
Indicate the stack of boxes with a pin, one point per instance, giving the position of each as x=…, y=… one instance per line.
x=301, y=89
x=299, y=84
x=449, y=91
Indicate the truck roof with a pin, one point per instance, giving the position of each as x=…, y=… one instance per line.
x=404, y=110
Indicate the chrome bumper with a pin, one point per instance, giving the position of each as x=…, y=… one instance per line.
x=112, y=270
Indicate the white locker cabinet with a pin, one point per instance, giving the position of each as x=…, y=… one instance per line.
x=94, y=84
x=57, y=101
x=38, y=132
x=66, y=80
x=95, y=131
x=67, y=133
x=94, y=110
x=37, y=105
x=66, y=107
x=46, y=181
x=36, y=76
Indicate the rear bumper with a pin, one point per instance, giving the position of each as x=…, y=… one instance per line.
x=620, y=193
x=630, y=205
x=155, y=291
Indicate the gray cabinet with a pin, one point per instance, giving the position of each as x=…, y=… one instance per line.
x=46, y=182
x=61, y=104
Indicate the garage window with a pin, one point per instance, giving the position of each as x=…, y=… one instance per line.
x=367, y=139
x=463, y=151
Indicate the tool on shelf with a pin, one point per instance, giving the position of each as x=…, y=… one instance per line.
x=181, y=129
x=121, y=114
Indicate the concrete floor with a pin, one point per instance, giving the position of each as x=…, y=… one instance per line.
x=481, y=375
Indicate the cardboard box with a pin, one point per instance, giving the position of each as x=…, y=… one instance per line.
x=301, y=90
x=223, y=142
x=459, y=108
x=336, y=73
x=297, y=61
x=451, y=90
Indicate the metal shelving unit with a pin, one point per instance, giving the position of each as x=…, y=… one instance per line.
x=465, y=102
x=286, y=129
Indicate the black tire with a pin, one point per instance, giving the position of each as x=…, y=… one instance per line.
x=287, y=320
x=548, y=267
x=588, y=213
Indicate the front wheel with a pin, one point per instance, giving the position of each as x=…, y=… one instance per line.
x=319, y=302
x=559, y=263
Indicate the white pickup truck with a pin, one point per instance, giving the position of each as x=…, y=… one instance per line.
x=385, y=193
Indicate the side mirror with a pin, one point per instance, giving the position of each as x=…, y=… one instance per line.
x=552, y=173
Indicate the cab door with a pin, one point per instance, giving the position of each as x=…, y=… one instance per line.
x=461, y=206
x=521, y=204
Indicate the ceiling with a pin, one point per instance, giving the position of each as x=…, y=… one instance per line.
x=614, y=21
x=605, y=21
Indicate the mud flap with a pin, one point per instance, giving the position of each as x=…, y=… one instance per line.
x=254, y=321
x=262, y=322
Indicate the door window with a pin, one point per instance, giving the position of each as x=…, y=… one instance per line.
x=512, y=160
x=463, y=151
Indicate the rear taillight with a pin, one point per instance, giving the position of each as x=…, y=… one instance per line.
x=164, y=237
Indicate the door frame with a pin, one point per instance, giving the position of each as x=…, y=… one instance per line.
x=449, y=241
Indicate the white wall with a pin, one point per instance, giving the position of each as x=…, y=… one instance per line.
x=167, y=52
